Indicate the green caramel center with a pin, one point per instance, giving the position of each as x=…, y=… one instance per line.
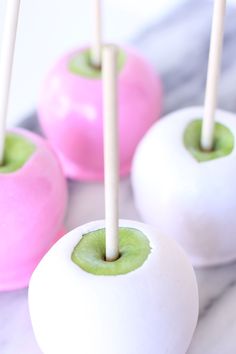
x=89, y=254
x=223, y=141
x=17, y=152
x=81, y=64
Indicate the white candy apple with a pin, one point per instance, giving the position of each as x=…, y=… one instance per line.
x=187, y=193
x=144, y=302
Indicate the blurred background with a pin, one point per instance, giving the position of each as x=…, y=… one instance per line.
x=48, y=28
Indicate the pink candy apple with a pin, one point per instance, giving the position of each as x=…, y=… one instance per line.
x=33, y=198
x=70, y=111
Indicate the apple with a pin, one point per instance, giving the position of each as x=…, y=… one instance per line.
x=144, y=302
x=70, y=111
x=33, y=198
x=187, y=193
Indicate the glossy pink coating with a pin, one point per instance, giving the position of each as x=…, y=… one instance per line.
x=32, y=207
x=70, y=113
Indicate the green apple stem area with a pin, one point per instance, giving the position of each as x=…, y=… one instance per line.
x=223, y=141
x=89, y=253
x=80, y=64
x=17, y=152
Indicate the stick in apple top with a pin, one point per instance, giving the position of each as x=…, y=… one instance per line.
x=96, y=49
x=111, y=154
x=207, y=137
x=6, y=63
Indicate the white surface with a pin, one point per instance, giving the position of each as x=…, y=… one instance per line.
x=192, y=202
x=76, y=312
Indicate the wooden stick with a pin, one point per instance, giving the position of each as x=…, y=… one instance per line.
x=6, y=63
x=96, y=49
x=111, y=154
x=211, y=96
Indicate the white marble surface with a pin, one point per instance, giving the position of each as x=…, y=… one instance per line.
x=178, y=47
